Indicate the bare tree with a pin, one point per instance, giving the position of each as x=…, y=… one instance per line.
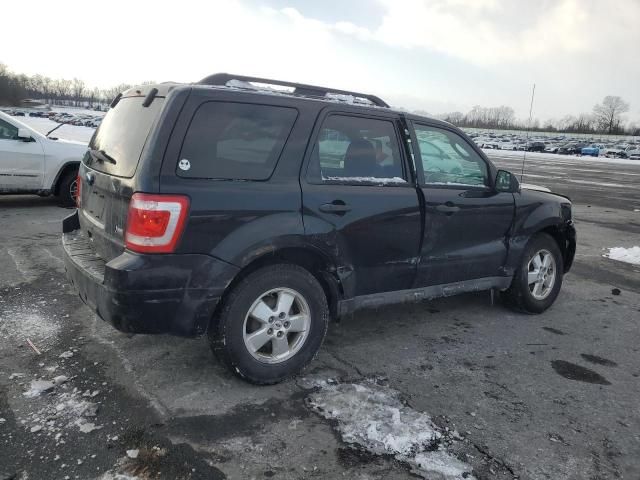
x=77, y=86
x=608, y=114
x=62, y=88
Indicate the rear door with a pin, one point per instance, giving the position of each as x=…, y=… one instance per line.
x=466, y=220
x=360, y=203
x=21, y=163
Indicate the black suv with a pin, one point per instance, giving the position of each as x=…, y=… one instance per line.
x=255, y=210
x=572, y=149
x=535, y=147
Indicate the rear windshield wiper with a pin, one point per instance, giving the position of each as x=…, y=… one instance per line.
x=102, y=156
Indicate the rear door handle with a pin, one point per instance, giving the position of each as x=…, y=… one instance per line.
x=449, y=208
x=338, y=207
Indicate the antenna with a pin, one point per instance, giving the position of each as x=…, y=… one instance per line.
x=526, y=145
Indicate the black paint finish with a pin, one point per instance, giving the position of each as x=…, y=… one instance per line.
x=396, y=241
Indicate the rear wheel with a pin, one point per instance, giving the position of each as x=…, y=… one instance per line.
x=271, y=324
x=538, y=280
x=68, y=189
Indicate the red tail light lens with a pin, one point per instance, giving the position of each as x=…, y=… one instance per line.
x=155, y=222
x=78, y=194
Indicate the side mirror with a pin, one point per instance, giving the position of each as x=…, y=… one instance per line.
x=24, y=135
x=507, y=182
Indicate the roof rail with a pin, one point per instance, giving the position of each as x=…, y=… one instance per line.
x=298, y=88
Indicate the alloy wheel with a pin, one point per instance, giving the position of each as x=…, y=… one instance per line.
x=277, y=325
x=541, y=274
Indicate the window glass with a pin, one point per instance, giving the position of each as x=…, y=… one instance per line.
x=356, y=150
x=123, y=134
x=8, y=131
x=235, y=141
x=447, y=159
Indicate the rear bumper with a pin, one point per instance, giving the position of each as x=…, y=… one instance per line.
x=174, y=294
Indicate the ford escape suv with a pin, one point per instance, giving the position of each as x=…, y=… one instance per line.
x=255, y=210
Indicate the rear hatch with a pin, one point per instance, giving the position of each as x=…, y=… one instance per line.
x=108, y=172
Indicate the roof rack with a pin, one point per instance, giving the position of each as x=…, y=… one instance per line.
x=298, y=88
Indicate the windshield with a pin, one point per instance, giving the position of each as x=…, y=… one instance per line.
x=117, y=144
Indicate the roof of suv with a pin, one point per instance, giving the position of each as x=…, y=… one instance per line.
x=264, y=86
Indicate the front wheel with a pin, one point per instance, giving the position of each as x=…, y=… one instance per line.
x=537, y=282
x=271, y=324
x=68, y=189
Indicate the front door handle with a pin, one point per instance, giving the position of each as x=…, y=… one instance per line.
x=337, y=206
x=449, y=208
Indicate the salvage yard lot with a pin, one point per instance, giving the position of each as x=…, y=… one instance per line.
x=551, y=396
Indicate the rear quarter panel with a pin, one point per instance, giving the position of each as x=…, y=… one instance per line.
x=238, y=220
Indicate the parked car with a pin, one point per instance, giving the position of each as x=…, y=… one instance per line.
x=254, y=218
x=535, y=147
x=613, y=153
x=633, y=154
x=551, y=149
x=34, y=163
x=591, y=150
x=571, y=149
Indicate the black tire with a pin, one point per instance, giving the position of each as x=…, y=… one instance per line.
x=519, y=295
x=226, y=335
x=65, y=192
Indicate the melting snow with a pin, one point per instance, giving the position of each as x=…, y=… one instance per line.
x=19, y=324
x=38, y=387
x=374, y=417
x=377, y=180
x=628, y=255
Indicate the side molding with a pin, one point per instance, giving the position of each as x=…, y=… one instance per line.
x=425, y=293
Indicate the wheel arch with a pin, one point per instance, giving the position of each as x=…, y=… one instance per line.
x=312, y=260
x=564, y=242
x=66, y=168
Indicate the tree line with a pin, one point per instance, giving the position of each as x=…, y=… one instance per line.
x=14, y=88
x=605, y=118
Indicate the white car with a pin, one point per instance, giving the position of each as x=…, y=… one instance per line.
x=31, y=162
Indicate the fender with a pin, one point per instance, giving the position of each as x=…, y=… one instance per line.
x=540, y=211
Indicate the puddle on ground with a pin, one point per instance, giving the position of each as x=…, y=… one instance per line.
x=576, y=372
x=598, y=360
x=554, y=330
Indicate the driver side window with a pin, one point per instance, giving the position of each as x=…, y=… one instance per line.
x=7, y=131
x=447, y=159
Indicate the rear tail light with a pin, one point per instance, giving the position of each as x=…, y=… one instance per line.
x=78, y=194
x=155, y=222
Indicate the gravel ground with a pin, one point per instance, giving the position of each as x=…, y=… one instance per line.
x=502, y=395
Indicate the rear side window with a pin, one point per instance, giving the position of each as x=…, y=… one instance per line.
x=121, y=136
x=235, y=141
x=356, y=150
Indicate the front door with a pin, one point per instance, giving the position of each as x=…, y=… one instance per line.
x=360, y=203
x=466, y=220
x=21, y=162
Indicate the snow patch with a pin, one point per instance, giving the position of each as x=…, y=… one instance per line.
x=20, y=324
x=377, y=180
x=117, y=476
x=38, y=387
x=627, y=255
x=374, y=417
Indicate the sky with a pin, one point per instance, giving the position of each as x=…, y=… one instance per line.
x=432, y=55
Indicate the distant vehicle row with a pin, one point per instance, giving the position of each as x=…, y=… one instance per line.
x=610, y=150
x=77, y=119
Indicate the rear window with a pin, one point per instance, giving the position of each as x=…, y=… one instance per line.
x=122, y=135
x=235, y=141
